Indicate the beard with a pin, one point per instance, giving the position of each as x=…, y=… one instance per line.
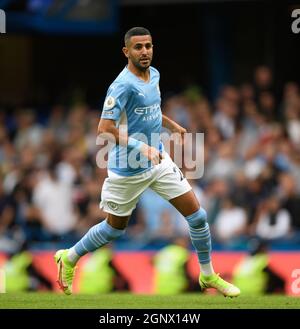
x=142, y=66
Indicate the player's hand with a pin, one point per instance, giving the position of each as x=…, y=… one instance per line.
x=152, y=154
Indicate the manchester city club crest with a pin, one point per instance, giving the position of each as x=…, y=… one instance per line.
x=112, y=205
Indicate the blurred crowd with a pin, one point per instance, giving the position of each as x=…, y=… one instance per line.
x=50, y=185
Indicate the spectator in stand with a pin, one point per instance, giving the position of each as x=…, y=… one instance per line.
x=224, y=164
x=272, y=221
x=263, y=79
x=29, y=132
x=53, y=199
x=291, y=200
x=8, y=229
x=230, y=224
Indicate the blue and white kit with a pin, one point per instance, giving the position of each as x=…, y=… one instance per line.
x=135, y=106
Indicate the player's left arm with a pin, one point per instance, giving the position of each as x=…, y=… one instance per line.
x=173, y=126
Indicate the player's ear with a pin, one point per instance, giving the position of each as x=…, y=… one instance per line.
x=125, y=51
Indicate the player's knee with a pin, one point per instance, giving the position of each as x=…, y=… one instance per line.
x=197, y=219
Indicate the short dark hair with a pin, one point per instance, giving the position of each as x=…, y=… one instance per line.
x=135, y=31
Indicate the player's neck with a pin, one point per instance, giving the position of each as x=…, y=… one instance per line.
x=143, y=75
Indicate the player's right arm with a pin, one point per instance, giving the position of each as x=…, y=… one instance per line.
x=114, y=104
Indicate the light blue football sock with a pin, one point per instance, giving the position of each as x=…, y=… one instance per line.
x=200, y=235
x=96, y=237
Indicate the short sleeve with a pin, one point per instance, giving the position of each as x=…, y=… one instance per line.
x=115, y=101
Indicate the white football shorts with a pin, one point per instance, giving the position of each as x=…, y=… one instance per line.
x=120, y=194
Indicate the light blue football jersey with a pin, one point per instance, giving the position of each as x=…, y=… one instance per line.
x=135, y=105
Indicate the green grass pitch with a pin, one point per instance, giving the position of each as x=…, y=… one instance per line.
x=132, y=301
